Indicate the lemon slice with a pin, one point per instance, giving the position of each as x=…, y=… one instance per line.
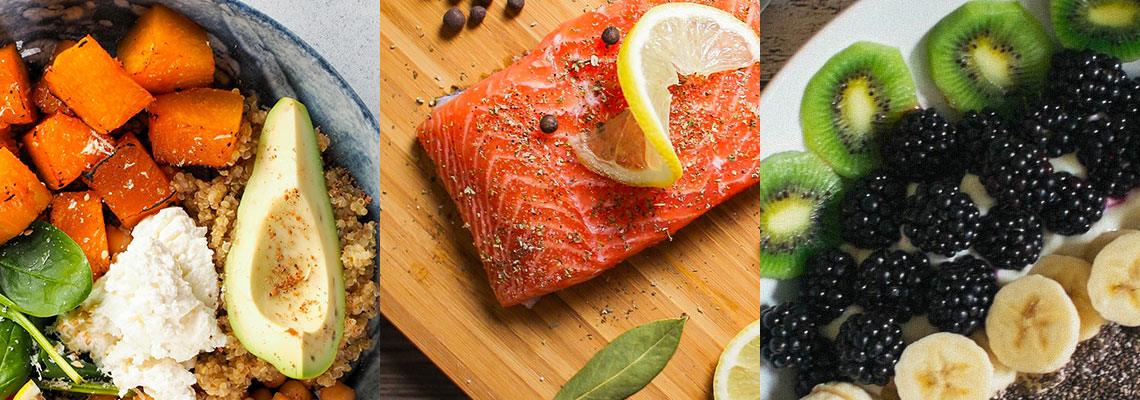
x=29, y=392
x=669, y=40
x=738, y=372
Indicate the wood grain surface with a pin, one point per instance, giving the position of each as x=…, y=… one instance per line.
x=432, y=286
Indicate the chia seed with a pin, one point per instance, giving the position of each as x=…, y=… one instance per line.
x=1104, y=367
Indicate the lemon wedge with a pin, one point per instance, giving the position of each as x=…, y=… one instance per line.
x=29, y=392
x=737, y=374
x=669, y=40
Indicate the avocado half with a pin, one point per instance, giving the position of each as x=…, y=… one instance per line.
x=284, y=282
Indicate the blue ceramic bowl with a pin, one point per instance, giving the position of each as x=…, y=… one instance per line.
x=265, y=58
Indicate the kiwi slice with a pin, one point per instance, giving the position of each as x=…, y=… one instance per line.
x=1108, y=26
x=988, y=54
x=799, y=195
x=857, y=95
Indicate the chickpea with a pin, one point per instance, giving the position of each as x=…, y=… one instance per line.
x=280, y=396
x=339, y=391
x=295, y=390
x=261, y=394
x=276, y=382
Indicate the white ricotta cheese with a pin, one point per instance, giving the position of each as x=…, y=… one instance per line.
x=154, y=311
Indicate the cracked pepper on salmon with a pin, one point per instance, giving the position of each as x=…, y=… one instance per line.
x=540, y=219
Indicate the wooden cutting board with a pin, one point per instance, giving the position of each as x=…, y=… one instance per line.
x=432, y=285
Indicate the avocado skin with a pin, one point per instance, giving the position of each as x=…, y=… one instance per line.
x=284, y=282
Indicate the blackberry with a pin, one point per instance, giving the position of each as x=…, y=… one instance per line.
x=1091, y=81
x=940, y=219
x=977, y=130
x=960, y=295
x=787, y=334
x=821, y=367
x=868, y=346
x=1017, y=174
x=1111, y=153
x=893, y=282
x=1010, y=238
x=827, y=283
x=1075, y=208
x=869, y=211
x=1049, y=126
x=922, y=146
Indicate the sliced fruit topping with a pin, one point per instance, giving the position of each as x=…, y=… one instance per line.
x=669, y=40
x=1033, y=326
x=1073, y=275
x=737, y=375
x=1107, y=26
x=1003, y=375
x=799, y=198
x=1114, y=283
x=858, y=94
x=1096, y=245
x=944, y=366
x=837, y=391
x=988, y=53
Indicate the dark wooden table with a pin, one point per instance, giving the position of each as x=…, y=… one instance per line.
x=408, y=375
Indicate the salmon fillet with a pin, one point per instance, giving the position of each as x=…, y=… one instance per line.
x=542, y=221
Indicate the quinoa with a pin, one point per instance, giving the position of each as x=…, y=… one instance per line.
x=213, y=201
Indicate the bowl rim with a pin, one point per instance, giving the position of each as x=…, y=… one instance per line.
x=369, y=118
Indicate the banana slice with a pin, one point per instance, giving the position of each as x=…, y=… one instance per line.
x=837, y=391
x=944, y=366
x=1073, y=275
x=1114, y=284
x=1003, y=375
x=1033, y=326
x=1096, y=245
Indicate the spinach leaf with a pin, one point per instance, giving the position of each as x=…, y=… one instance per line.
x=8, y=311
x=48, y=369
x=44, y=273
x=15, y=357
x=627, y=364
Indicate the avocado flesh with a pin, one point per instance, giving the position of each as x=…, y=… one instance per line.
x=284, y=282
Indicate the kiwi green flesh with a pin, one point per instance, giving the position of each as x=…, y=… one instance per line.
x=854, y=97
x=799, y=197
x=1108, y=26
x=988, y=54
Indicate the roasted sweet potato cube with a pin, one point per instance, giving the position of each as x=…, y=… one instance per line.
x=62, y=147
x=47, y=102
x=7, y=141
x=196, y=127
x=22, y=196
x=95, y=86
x=130, y=182
x=165, y=51
x=16, y=105
x=80, y=216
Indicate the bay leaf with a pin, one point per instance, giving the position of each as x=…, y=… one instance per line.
x=627, y=364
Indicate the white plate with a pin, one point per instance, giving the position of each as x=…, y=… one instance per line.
x=899, y=23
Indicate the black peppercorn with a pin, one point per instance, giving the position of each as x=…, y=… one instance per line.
x=454, y=19
x=548, y=124
x=610, y=36
x=515, y=5
x=477, y=15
